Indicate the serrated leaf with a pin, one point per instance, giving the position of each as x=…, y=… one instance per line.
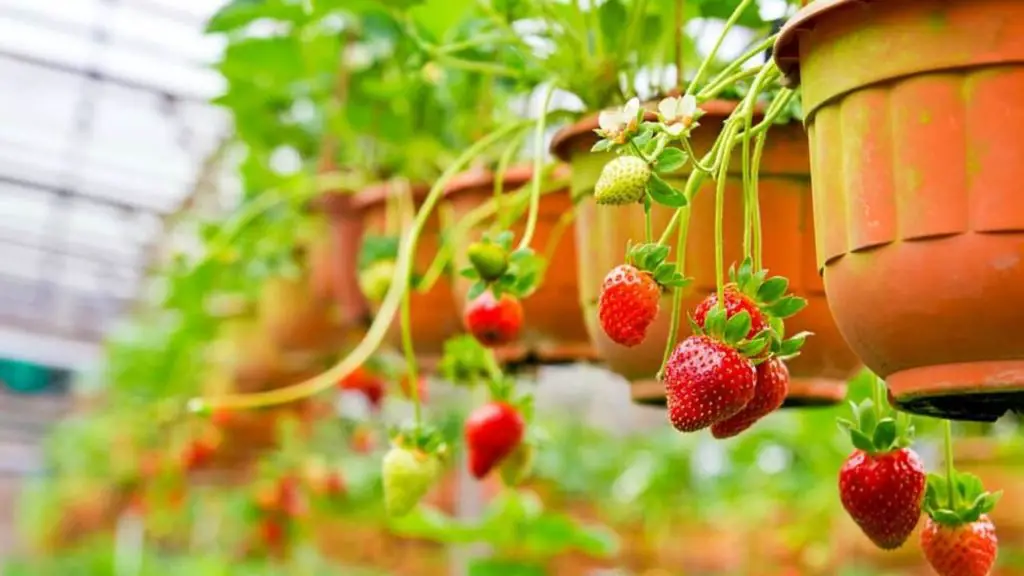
x=861, y=441
x=737, y=326
x=885, y=433
x=788, y=306
x=670, y=160
x=663, y=193
x=772, y=289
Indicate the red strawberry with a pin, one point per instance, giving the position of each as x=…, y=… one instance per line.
x=494, y=322
x=962, y=550
x=706, y=381
x=769, y=393
x=363, y=380
x=362, y=440
x=200, y=451
x=628, y=304
x=883, y=492
x=735, y=302
x=492, y=433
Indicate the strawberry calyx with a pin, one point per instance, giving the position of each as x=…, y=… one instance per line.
x=733, y=331
x=503, y=390
x=465, y=361
x=877, y=430
x=498, y=268
x=423, y=438
x=769, y=294
x=968, y=502
x=650, y=259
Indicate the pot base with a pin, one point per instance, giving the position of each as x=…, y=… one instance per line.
x=647, y=392
x=972, y=391
x=812, y=392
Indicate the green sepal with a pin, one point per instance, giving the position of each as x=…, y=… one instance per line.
x=423, y=437
x=476, y=290
x=736, y=327
x=602, y=145
x=772, y=289
x=787, y=306
x=876, y=430
x=970, y=503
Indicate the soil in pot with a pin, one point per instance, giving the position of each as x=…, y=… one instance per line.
x=819, y=374
x=554, y=330
x=434, y=316
x=915, y=144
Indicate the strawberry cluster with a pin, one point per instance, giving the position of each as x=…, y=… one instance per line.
x=731, y=371
x=501, y=276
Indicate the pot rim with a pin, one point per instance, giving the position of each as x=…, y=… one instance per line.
x=377, y=193
x=559, y=148
x=516, y=176
x=786, y=51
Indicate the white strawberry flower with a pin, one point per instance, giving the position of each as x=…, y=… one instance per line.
x=678, y=113
x=617, y=125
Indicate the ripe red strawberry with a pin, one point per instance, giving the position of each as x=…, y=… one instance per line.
x=706, y=381
x=200, y=451
x=363, y=380
x=963, y=550
x=735, y=302
x=628, y=304
x=883, y=494
x=492, y=432
x=494, y=322
x=769, y=392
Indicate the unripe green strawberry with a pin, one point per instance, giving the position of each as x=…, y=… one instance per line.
x=490, y=260
x=518, y=465
x=407, y=476
x=622, y=181
x=375, y=280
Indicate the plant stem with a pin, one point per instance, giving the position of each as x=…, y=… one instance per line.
x=538, y=165
x=677, y=293
x=876, y=396
x=386, y=313
x=732, y=72
x=410, y=356
x=706, y=64
x=755, y=175
x=477, y=66
x=723, y=175
x=947, y=432
x=499, y=174
x=444, y=252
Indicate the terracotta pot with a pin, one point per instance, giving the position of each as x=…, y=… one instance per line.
x=916, y=173
x=244, y=356
x=819, y=374
x=434, y=315
x=334, y=254
x=294, y=319
x=1000, y=467
x=554, y=330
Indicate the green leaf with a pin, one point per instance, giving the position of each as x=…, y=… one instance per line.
x=663, y=193
x=772, y=289
x=754, y=347
x=787, y=307
x=714, y=322
x=664, y=272
x=861, y=441
x=969, y=486
x=885, y=434
x=944, y=516
x=737, y=326
x=868, y=418
x=476, y=290
x=602, y=145
x=470, y=273
x=670, y=160
x=504, y=239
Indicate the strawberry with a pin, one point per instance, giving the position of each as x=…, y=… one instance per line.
x=363, y=380
x=492, y=432
x=628, y=304
x=200, y=451
x=882, y=484
x=630, y=293
x=518, y=465
x=489, y=259
x=959, y=538
x=770, y=391
x=375, y=279
x=409, y=470
x=623, y=180
x=763, y=298
x=494, y=322
x=706, y=382
x=290, y=496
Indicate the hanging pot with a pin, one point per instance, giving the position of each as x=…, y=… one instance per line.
x=244, y=355
x=294, y=319
x=819, y=374
x=915, y=130
x=554, y=330
x=1000, y=466
x=333, y=255
x=434, y=316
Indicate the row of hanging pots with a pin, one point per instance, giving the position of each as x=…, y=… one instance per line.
x=819, y=374
x=915, y=129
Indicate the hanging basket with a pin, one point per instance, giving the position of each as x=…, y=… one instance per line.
x=434, y=316
x=294, y=319
x=333, y=255
x=819, y=374
x=915, y=130
x=554, y=330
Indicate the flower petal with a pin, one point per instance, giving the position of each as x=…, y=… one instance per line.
x=687, y=105
x=631, y=109
x=609, y=120
x=667, y=108
x=675, y=129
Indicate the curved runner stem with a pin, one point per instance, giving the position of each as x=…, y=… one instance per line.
x=538, y=164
